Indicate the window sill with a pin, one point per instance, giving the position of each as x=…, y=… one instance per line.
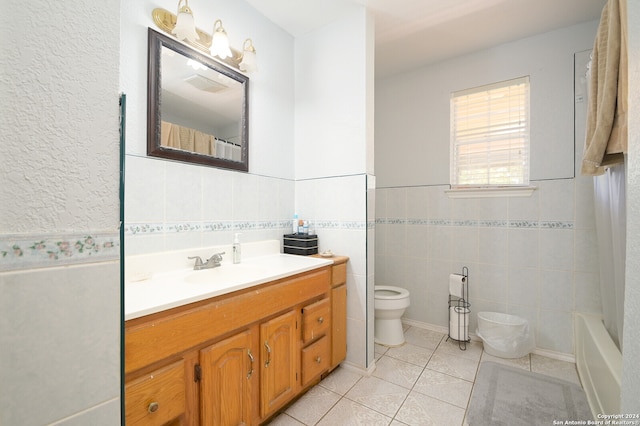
x=516, y=191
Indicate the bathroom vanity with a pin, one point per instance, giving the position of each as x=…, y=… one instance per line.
x=236, y=357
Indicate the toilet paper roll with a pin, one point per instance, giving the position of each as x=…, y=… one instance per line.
x=456, y=281
x=459, y=323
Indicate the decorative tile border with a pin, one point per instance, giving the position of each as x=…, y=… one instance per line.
x=217, y=226
x=144, y=228
x=19, y=252
x=557, y=225
x=182, y=227
x=524, y=224
x=220, y=226
x=334, y=224
x=46, y=250
x=439, y=222
x=493, y=223
x=140, y=229
x=466, y=222
x=530, y=224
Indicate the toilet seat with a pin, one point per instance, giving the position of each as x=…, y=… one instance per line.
x=387, y=292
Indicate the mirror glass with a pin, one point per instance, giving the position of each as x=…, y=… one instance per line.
x=197, y=107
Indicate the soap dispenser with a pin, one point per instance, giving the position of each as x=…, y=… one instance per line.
x=236, y=249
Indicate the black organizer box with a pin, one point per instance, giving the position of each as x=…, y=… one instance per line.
x=302, y=244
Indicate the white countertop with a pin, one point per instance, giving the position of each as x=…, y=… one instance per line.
x=165, y=290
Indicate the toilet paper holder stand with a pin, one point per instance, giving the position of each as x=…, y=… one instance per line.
x=460, y=307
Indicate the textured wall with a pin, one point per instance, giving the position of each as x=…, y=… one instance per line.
x=59, y=117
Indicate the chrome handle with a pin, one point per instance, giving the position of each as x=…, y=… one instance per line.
x=320, y=320
x=318, y=359
x=217, y=257
x=198, y=260
x=153, y=407
x=266, y=364
x=251, y=358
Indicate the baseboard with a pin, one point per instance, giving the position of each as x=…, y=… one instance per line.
x=359, y=370
x=555, y=355
x=445, y=330
x=436, y=328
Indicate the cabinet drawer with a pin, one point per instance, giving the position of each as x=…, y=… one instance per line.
x=316, y=319
x=339, y=274
x=156, y=398
x=315, y=360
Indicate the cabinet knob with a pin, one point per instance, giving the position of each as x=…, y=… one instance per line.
x=318, y=359
x=153, y=407
x=320, y=320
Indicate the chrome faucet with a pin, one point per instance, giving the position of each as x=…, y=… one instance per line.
x=212, y=262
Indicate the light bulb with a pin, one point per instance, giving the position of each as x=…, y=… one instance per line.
x=219, y=41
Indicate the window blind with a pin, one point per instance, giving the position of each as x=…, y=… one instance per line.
x=490, y=135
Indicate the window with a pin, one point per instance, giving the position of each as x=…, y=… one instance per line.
x=490, y=135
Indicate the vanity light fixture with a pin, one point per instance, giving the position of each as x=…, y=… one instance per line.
x=216, y=44
x=185, y=28
x=248, y=62
x=220, y=41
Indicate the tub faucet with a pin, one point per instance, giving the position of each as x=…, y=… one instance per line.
x=212, y=262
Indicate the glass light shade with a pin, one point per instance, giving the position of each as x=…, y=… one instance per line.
x=219, y=41
x=185, y=28
x=248, y=62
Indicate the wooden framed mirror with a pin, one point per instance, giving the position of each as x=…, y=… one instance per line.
x=197, y=109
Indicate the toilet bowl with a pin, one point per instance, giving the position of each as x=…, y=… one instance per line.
x=389, y=305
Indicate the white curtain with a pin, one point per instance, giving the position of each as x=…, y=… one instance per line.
x=611, y=224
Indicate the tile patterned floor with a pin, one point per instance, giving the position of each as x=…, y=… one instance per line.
x=427, y=381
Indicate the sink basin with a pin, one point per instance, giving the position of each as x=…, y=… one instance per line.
x=226, y=274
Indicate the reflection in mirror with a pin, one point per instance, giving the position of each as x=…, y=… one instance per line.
x=197, y=109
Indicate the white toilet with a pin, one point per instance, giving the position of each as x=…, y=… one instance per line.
x=390, y=303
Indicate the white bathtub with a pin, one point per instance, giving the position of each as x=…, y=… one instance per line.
x=599, y=364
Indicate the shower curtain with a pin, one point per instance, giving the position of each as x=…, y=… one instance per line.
x=611, y=220
x=606, y=73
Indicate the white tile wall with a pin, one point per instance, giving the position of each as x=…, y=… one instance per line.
x=337, y=210
x=527, y=256
x=185, y=206
x=54, y=353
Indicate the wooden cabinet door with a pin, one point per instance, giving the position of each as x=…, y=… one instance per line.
x=228, y=370
x=279, y=360
x=339, y=322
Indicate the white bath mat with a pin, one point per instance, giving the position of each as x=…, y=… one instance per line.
x=505, y=395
